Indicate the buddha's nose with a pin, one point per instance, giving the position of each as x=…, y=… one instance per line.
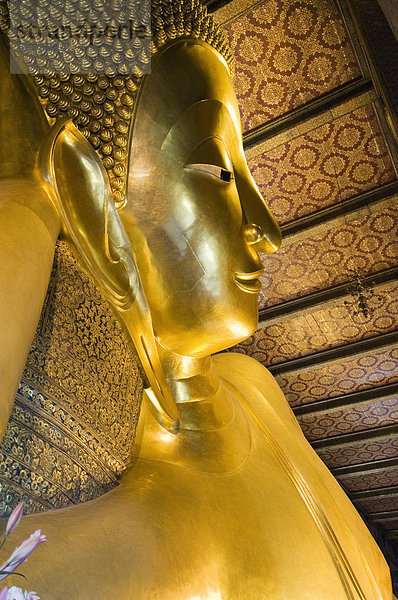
x=253, y=234
x=261, y=230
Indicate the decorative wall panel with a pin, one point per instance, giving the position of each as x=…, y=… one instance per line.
x=339, y=377
x=43, y=463
x=370, y=481
x=354, y=417
x=364, y=245
x=288, y=53
x=334, y=324
x=333, y=162
x=362, y=451
x=72, y=428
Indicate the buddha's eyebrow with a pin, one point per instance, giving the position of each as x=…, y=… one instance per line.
x=212, y=137
x=186, y=111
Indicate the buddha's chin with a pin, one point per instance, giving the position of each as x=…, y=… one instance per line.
x=204, y=339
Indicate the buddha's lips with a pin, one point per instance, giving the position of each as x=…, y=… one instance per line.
x=249, y=282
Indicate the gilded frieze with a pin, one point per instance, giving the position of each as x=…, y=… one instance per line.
x=73, y=424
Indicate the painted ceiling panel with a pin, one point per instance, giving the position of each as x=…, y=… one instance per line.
x=354, y=453
x=373, y=505
x=302, y=127
x=339, y=377
x=335, y=161
x=331, y=255
x=354, y=417
x=371, y=480
x=333, y=324
x=288, y=53
x=390, y=525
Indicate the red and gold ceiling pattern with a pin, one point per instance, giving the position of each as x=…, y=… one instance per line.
x=338, y=160
x=329, y=257
x=353, y=417
x=374, y=505
x=339, y=377
x=354, y=453
x=288, y=53
x=369, y=481
x=334, y=324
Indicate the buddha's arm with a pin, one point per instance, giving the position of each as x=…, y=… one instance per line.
x=29, y=228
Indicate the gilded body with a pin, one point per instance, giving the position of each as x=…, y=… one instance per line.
x=216, y=512
x=224, y=499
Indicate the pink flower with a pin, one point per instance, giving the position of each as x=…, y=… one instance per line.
x=3, y=593
x=30, y=596
x=21, y=553
x=14, y=519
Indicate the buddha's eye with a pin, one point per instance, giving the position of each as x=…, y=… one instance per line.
x=219, y=172
x=212, y=157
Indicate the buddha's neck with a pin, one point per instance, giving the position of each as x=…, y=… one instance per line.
x=197, y=390
x=214, y=435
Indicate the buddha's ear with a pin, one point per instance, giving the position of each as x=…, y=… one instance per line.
x=90, y=220
x=78, y=184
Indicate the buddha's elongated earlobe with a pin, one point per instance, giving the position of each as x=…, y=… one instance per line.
x=90, y=220
x=79, y=186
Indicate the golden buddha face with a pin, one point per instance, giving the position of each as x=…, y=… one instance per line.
x=194, y=216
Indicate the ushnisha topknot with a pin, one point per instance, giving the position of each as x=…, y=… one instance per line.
x=93, y=73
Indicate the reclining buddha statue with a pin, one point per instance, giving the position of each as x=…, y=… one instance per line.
x=223, y=498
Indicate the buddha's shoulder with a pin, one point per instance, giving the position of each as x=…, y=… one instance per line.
x=227, y=360
x=256, y=385
x=241, y=369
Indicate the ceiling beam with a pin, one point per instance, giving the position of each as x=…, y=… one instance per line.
x=310, y=110
x=323, y=356
x=365, y=467
x=391, y=535
x=355, y=436
x=380, y=47
x=338, y=291
x=340, y=209
x=372, y=393
x=375, y=493
x=382, y=516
